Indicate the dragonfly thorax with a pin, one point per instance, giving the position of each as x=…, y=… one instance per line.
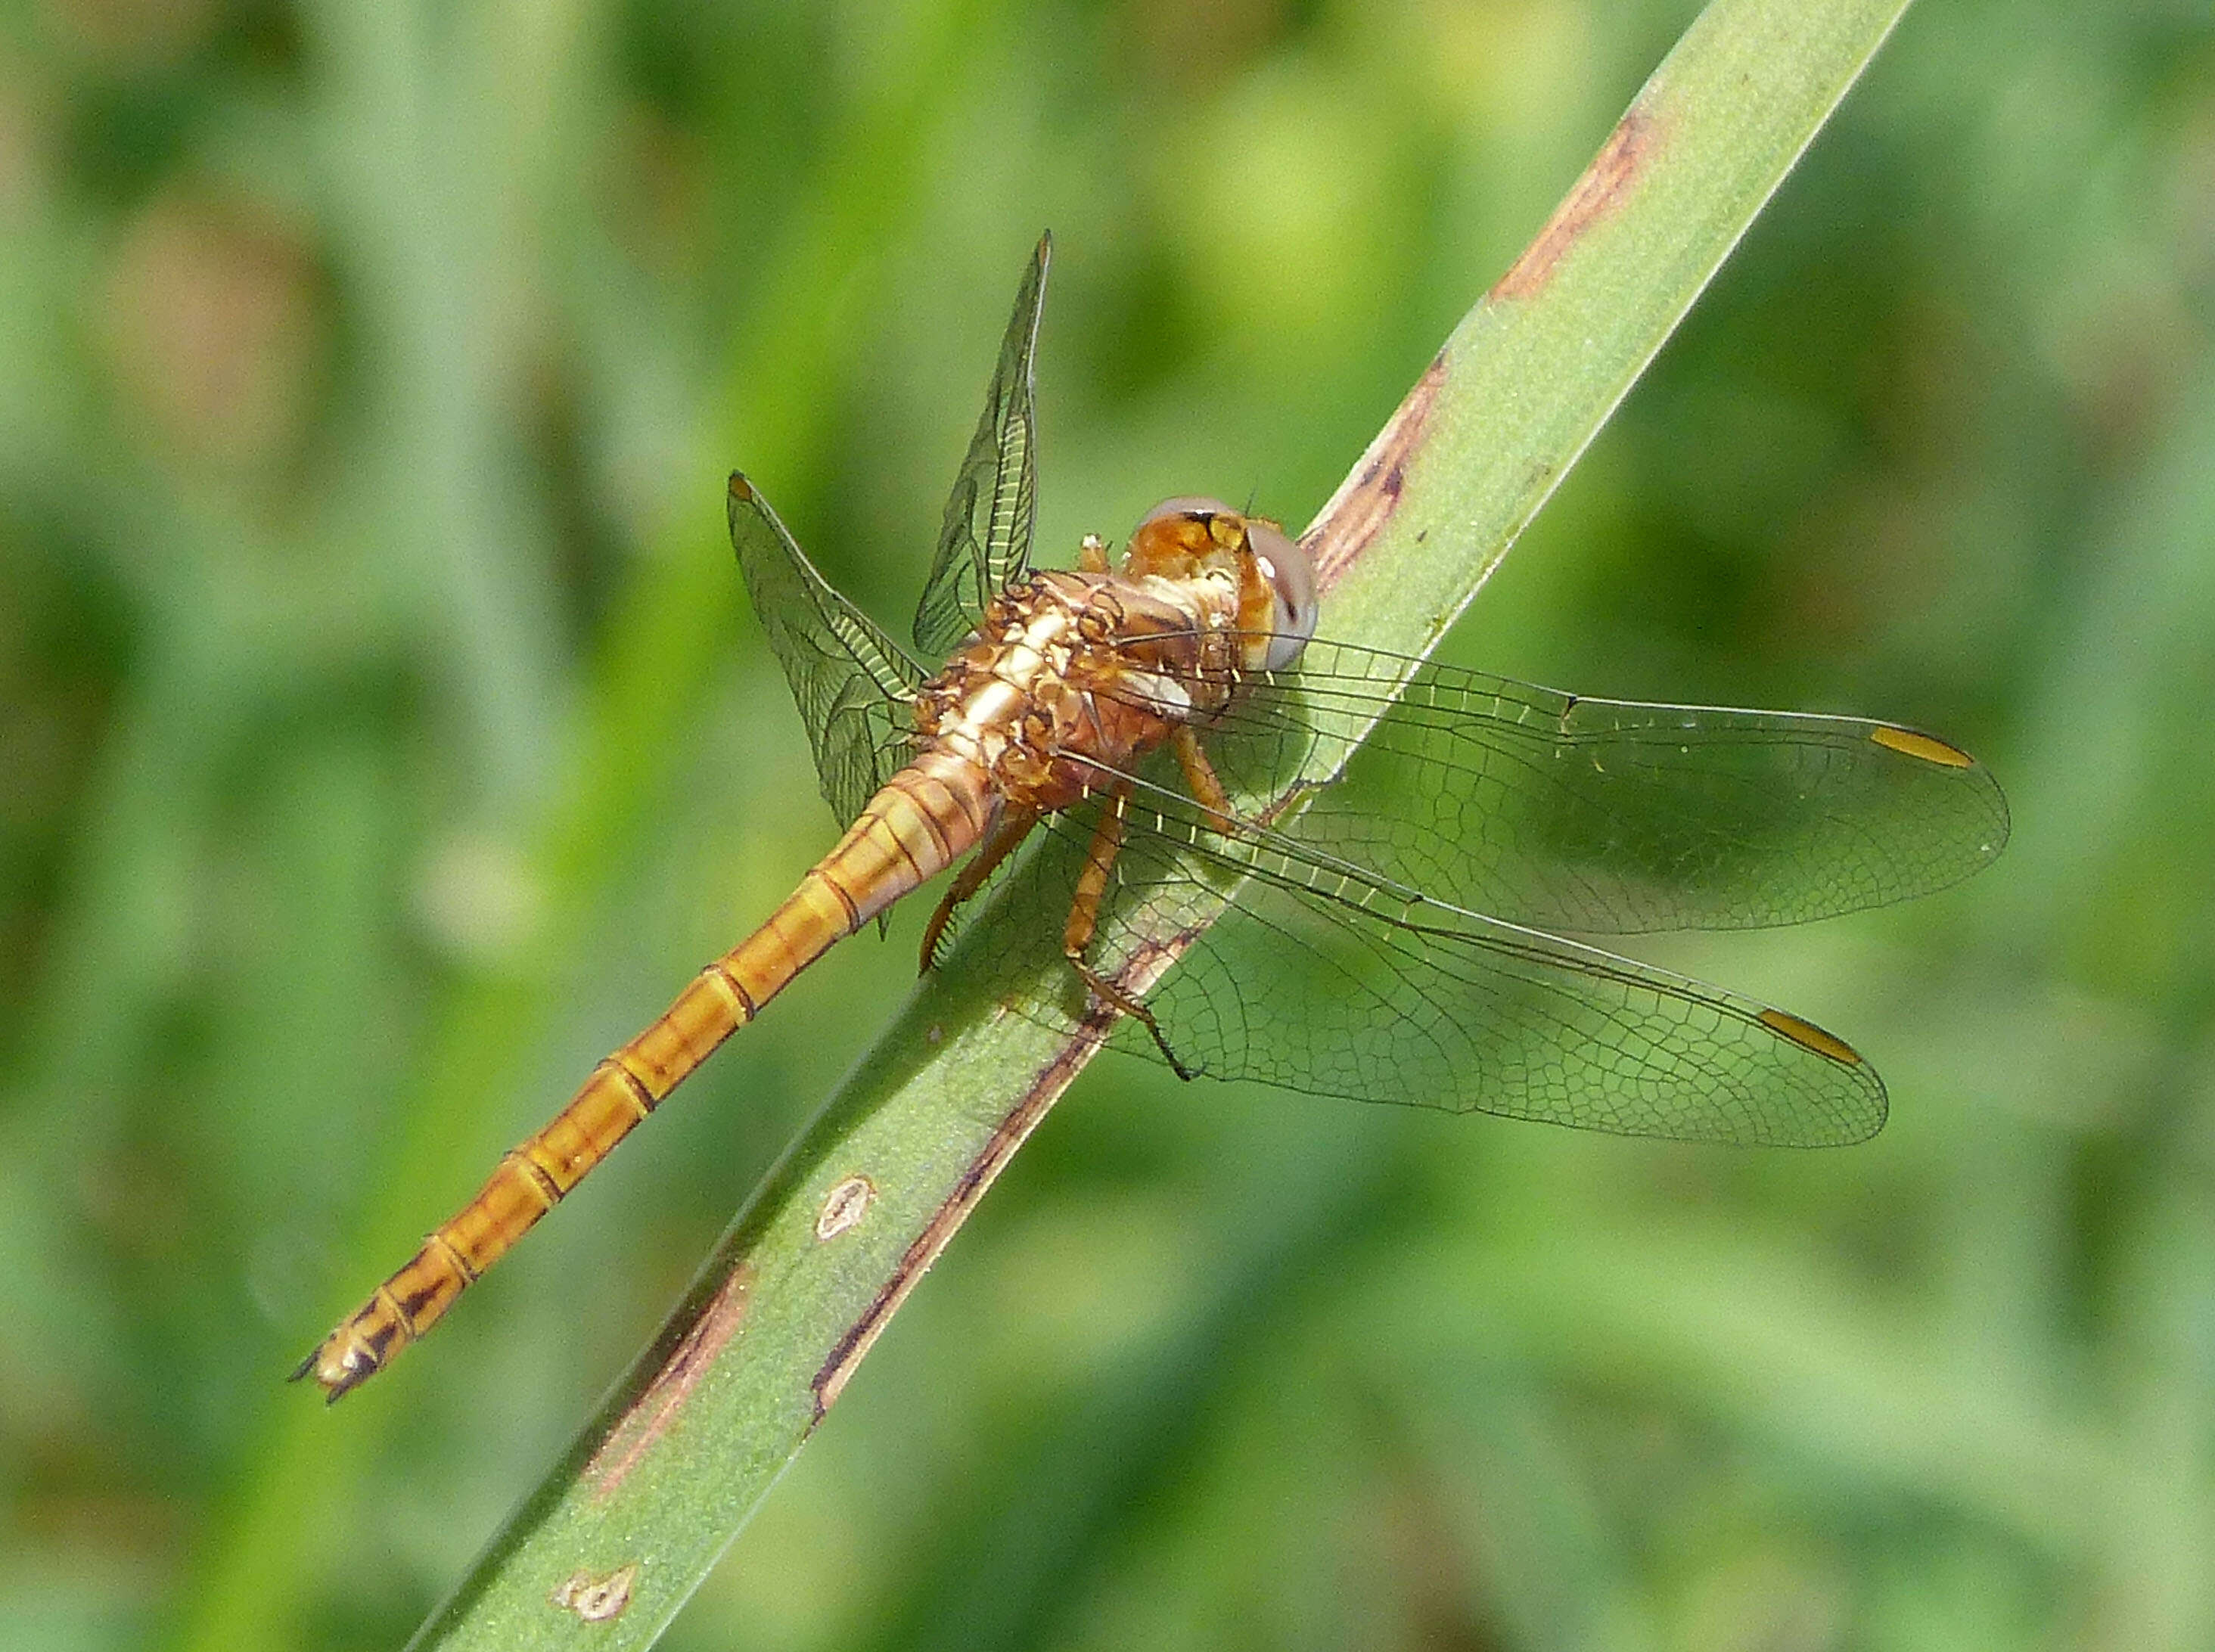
x=1070, y=677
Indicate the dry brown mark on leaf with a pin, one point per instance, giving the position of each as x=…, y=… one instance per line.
x=1365, y=501
x=844, y=1207
x=1146, y=966
x=650, y=1416
x=1605, y=185
x=596, y=1599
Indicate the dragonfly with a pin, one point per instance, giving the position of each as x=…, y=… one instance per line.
x=1254, y=853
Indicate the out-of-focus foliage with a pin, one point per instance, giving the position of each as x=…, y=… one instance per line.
x=382, y=736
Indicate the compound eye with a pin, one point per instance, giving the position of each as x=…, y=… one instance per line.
x=1187, y=505
x=1291, y=587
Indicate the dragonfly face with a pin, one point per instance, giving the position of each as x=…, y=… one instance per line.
x=1182, y=537
x=1356, y=861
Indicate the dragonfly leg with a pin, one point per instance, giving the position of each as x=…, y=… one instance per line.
x=1015, y=826
x=1085, y=919
x=1200, y=775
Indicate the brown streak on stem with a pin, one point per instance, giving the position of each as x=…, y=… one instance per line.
x=1021, y=1119
x=650, y=1415
x=1602, y=189
x=1145, y=968
x=1365, y=501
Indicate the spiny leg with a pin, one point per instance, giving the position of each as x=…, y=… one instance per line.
x=1085, y=919
x=1200, y=775
x=1015, y=826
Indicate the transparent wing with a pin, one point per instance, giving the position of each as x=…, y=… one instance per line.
x=852, y=682
x=1603, y=817
x=1383, y=940
x=985, y=542
x=1321, y=979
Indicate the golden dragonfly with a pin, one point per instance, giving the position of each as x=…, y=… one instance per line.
x=1391, y=846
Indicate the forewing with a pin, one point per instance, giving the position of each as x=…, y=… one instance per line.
x=853, y=683
x=984, y=543
x=1605, y=817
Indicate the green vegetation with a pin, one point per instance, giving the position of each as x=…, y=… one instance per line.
x=385, y=737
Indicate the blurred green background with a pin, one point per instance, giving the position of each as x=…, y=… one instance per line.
x=384, y=736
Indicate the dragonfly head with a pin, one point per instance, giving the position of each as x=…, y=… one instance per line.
x=1188, y=537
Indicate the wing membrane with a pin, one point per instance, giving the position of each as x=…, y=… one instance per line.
x=1322, y=979
x=1604, y=817
x=1382, y=901
x=984, y=543
x=852, y=682
x=1444, y=1009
